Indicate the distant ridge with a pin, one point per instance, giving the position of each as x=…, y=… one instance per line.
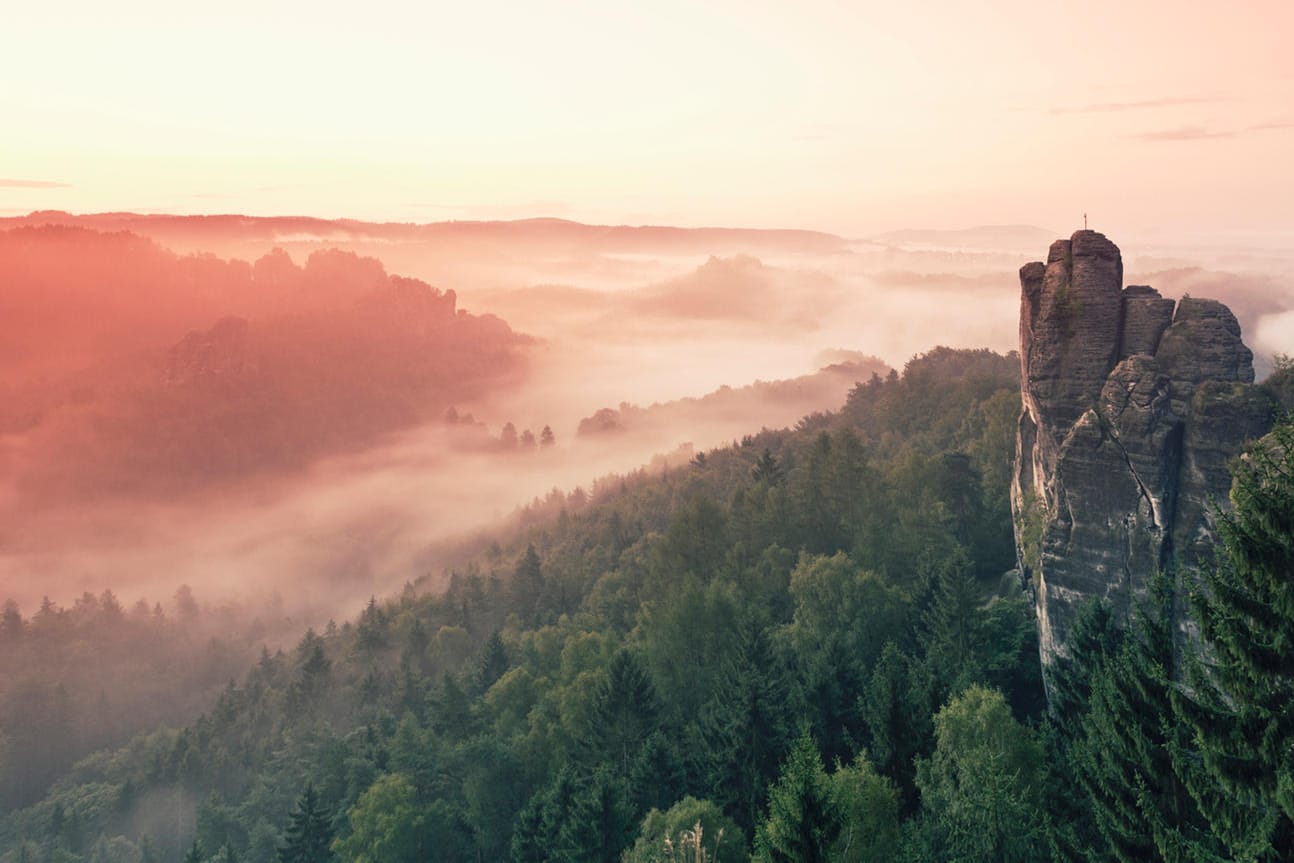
x=981, y=237
x=545, y=230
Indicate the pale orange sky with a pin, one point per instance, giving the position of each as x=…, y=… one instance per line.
x=1159, y=118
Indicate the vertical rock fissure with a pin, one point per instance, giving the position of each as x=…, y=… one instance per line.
x=1155, y=521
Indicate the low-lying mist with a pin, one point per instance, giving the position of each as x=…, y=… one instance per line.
x=620, y=323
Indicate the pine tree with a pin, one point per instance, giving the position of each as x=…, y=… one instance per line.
x=1242, y=704
x=599, y=823
x=767, y=469
x=308, y=837
x=1094, y=636
x=746, y=727
x=528, y=585
x=1123, y=758
x=802, y=824
x=493, y=662
x=194, y=854
x=898, y=729
x=623, y=712
x=372, y=628
x=950, y=628
x=541, y=824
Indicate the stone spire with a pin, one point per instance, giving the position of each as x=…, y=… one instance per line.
x=1132, y=406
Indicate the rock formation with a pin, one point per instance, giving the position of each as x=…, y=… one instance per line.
x=1132, y=407
x=217, y=355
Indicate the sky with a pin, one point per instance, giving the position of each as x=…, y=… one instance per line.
x=1160, y=119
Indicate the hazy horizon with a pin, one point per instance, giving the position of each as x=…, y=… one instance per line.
x=616, y=322
x=850, y=118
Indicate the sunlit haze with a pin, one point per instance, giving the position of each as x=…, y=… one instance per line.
x=592, y=430
x=1159, y=119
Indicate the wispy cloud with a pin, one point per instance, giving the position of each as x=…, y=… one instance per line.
x=1164, y=102
x=1201, y=133
x=1183, y=133
x=33, y=184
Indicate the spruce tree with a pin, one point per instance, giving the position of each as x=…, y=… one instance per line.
x=1241, y=703
x=746, y=727
x=528, y=586
x=1124, y=756
x=802, y=823
x=898, y=729
x=623, y=713
x=308, y=838
x=1093, y=638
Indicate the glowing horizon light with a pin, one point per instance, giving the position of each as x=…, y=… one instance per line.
x=851, y=118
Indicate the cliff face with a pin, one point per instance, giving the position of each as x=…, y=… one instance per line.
x=1132, y=406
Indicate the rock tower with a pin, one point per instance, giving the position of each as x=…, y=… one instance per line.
x=1132, y=406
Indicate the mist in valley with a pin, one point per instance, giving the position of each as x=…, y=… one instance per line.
x=611, y=338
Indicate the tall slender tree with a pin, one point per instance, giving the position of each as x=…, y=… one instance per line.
x=308, y=838
x=1124, y=756
x=802, y=823
x=1241, y=704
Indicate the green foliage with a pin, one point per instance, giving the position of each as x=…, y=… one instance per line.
x=843, y=618
x=1030, y=524
x=767, y=470
x=1242, y=701
x=849, y=816
x=690, y=831
x=897, y=725
x=309, y=834
x=745, y=729
x=981, y=788
x=867, y=806
x=386, y=825
x=586, y=818
x=1094, y=636
x=802, y=825
x=1279, y=385
x=616, y=650
x=623, y=712
x=1123, y=756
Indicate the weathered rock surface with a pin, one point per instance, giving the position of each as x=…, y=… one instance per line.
x=1132, y=407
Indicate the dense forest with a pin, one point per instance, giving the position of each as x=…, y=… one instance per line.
x=806, y=646
x=186, y=372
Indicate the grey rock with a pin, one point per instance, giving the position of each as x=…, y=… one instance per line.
x=1132, y=406
x=1145, y=317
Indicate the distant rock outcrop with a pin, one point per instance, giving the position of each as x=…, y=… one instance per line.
x=215, y=355
x=1132, y=407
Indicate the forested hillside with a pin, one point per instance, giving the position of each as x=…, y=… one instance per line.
x=801, y=647
x=93, y=675
x=658, y=639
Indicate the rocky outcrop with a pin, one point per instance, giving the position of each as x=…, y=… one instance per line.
x=1132, y=406
x=217, y=355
